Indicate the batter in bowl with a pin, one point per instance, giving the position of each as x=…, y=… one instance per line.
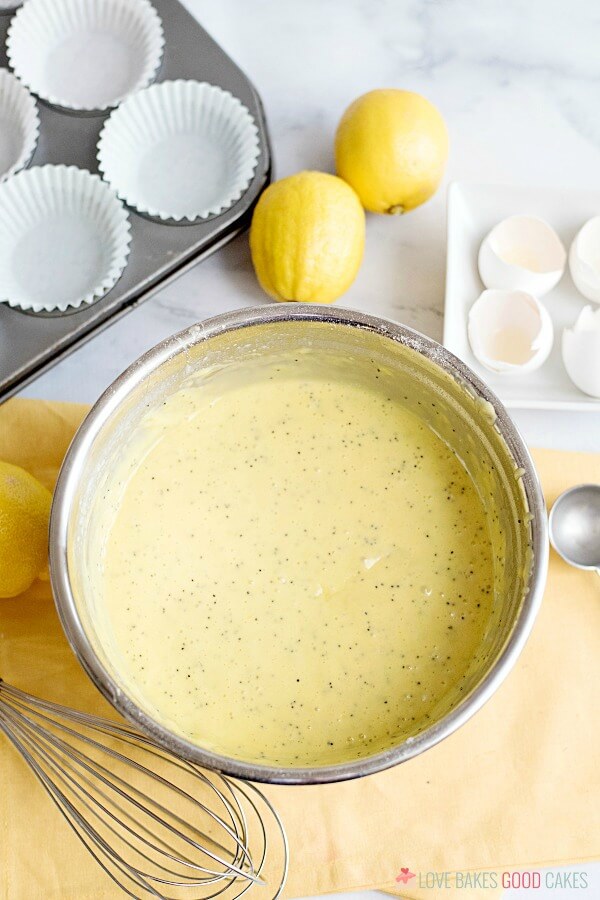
x=296, y=569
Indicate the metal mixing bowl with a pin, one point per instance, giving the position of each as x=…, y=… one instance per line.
x=437, y=385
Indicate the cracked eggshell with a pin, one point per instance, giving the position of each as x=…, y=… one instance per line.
x=581, y=351
x=510, y=331
x=522, y=253
x=584, y=260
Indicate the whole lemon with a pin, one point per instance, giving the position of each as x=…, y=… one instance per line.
x=392, y=146
x=24, y=515
x=307, y=238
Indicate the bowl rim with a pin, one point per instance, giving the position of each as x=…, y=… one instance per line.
x=109, y=402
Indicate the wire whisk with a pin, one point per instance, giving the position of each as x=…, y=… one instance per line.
x=159, y=826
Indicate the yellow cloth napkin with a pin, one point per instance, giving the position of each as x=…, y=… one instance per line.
x=516, y=786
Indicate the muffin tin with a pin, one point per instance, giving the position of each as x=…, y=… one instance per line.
x=161, y=247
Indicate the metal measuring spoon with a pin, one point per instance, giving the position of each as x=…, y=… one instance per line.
x=574, y=524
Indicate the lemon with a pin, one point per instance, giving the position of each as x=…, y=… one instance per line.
x=392, y=146
x=24, y=515
x=307, y=238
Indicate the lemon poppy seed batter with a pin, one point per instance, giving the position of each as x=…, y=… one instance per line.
x=297, y=570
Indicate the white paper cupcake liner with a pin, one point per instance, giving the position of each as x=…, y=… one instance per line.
x=19, y=125
x=180, y=150
x=64, y=238
x=85, y=55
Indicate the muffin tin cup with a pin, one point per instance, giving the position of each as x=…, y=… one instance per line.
x=8, y=7
x=85, y=56
x=19, y=125
x=180, y=151
x=64, y=239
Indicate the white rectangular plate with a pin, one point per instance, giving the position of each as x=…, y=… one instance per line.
x=473, y=210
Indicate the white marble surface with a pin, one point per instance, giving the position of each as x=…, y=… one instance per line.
x=518, y=85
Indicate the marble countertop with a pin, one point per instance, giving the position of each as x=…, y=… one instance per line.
x=518, y=85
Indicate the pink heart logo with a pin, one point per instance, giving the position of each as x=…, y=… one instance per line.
x=405, y=875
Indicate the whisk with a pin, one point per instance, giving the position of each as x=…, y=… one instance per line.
x=158, y=825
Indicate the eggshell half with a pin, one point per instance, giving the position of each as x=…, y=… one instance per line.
x=584, y=260
x=510, y=331
x=522, y=253
x=581, y=351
